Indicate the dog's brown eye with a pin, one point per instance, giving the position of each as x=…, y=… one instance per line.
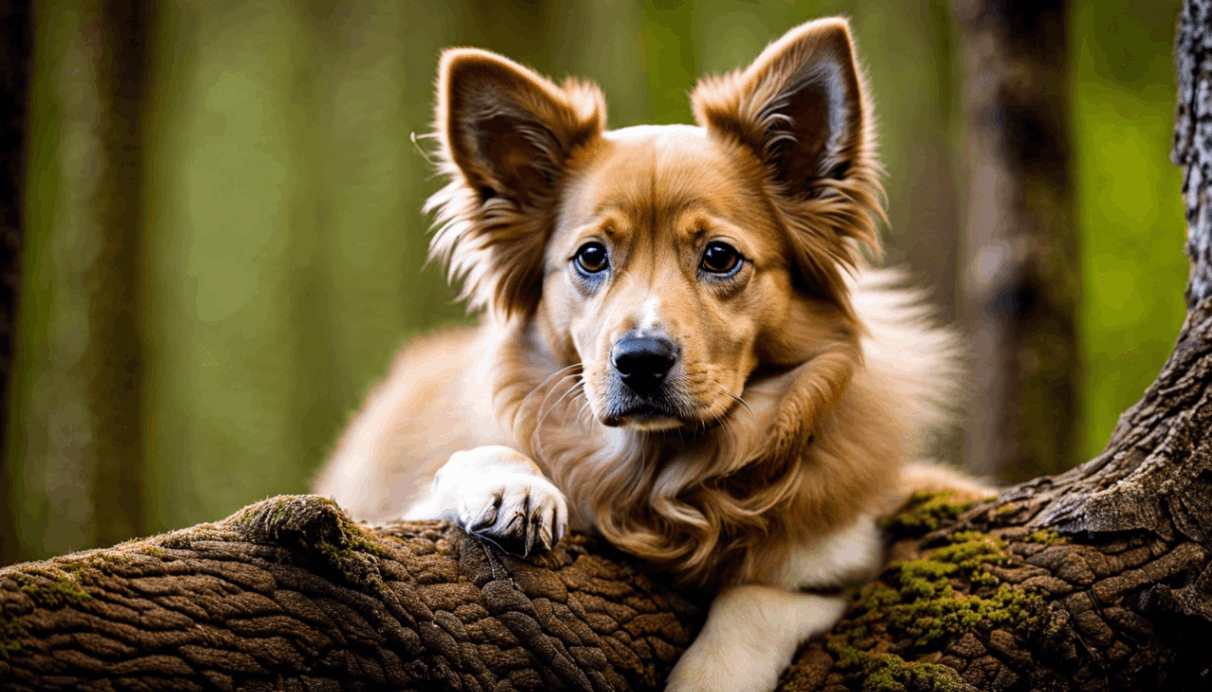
x=720, y=258
x=591, y=258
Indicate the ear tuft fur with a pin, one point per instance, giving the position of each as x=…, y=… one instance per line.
x=802, y=109
x=507, y=136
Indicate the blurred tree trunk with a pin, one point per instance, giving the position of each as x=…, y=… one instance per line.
x=16, y=51
x=75, y=469
x=1021, y=276
x=115, y=362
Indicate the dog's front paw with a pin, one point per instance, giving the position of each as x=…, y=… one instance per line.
x=498, y=494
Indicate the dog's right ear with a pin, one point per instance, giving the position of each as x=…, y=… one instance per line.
x=509, y=130
x=507, y=135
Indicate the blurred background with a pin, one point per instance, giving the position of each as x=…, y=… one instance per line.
x=221, y=243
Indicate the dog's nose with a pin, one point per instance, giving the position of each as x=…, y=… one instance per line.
x=643, y=361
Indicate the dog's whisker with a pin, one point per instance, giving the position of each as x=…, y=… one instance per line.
x=542, y=417
x=727, y=433
x=740, y=400
x=584, y=407
x=542, y=385
x=559, y=376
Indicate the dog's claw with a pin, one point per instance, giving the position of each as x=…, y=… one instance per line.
x=524, y=520
x=498, y=494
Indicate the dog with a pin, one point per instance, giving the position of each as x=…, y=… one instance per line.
x=684, y=345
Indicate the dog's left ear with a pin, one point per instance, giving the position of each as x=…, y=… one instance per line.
x=801, y=109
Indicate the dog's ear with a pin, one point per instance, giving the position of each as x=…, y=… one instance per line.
x=509, y=130
x=801, y=108
x=506, y=137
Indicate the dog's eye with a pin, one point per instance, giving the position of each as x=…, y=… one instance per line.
x=720, y=258
x=591, y=258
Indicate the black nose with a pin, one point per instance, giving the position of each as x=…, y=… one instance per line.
x=643, y=361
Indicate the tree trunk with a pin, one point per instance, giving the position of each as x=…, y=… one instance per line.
x=16, y=49
x=1020, y=279
x=1096, y=579
x=77, y=472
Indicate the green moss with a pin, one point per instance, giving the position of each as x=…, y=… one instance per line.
x=927, y=600
x=1047, y=537
x=153, y=551
x=52, y=592
x=971, y=549
x=925, y=512
x=63, y=589
x=890, y=673
x=367, y=546
x=12, y=631
x=333, y=553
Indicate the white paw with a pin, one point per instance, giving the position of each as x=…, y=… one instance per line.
x=500, y=495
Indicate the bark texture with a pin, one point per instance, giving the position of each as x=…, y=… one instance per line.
x=1020, y=275
x=289, y=595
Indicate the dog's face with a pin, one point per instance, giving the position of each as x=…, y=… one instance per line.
x=662, y=274
x=670, y=262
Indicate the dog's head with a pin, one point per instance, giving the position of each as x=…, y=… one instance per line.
x=671, y=262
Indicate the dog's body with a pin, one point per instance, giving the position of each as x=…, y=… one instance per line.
x=683, y=349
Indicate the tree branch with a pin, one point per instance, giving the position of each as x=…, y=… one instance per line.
x=289, y=594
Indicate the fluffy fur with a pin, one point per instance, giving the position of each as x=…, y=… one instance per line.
x=803, y=382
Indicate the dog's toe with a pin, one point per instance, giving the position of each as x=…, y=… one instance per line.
x=526, y=516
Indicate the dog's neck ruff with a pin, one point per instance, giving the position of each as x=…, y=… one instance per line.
x=708, y=505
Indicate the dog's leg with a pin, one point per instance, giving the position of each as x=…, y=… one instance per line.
x=847, y=557
x=499, y=494
x=749, y=638
x=752, y=631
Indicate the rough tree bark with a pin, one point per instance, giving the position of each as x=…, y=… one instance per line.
x=1096, y=579
x=1020, y=277
x=290, y=595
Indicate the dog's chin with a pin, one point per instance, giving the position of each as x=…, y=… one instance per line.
x=642, y=416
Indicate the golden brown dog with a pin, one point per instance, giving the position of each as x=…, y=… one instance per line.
x=682, y=346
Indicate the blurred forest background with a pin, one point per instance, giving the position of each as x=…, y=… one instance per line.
x=223, y=243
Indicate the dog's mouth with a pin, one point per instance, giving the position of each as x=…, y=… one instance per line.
x=643, y=414
x=660, y=411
